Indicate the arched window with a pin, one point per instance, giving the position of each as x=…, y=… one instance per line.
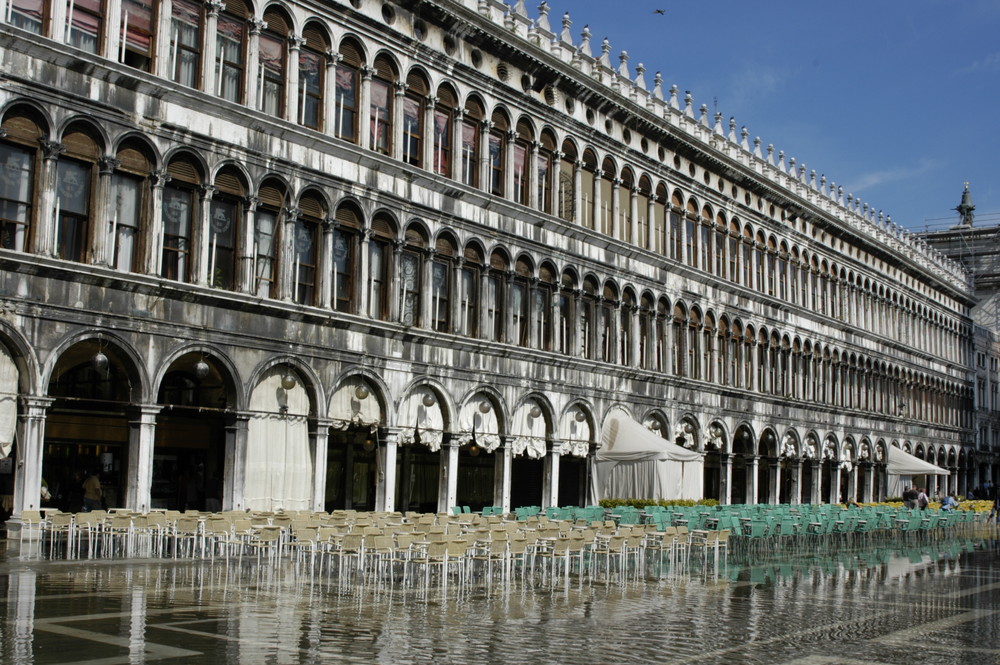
x=733, y=240
x=662, y=332
x=444, y=118
x=75, y=188
x=413, y=119
x=588, y=319
x=347, y=93
x=782, y=265
x=747, y=258
x=29, y=15
x=380, y=110
x=496, y=297
x=138, y=30
x=346, y=244
x=472, y=120
x=497, y=157
x=230, y=43
x=606, y=331
x=680, y=341
x=380, y=267
x=720, y=246
x=567, y=311
x=589, y=213
x=793, y=276
x=522, y=159
x=472, y=269
x=705, y=234
x=441, y=283
x=646, y=316
x=566, y=194
x=736, y=355
x=541, y=315
x=694, y=344
x=272, y=65
x=86, y=25
x=19, y=155
x=606, y=214
x=747, y=358
x=312, y=76
x=659, y=222
x=625, y=221
x=626, y=335
x=225, y=215
x=266, y=240
x=180, y=208
x=519, y=303
x=708, y=356
x=305, y=260
x=763, y=359
x=771, y=259
x=130, y=189
x=676, y=226
x=759, y=264
x=691, y=235
x=411, y=268
x=546, y=171
x=723, y=366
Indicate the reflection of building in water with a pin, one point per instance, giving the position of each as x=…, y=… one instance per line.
x=268, y=211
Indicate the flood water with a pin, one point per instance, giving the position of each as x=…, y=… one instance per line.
x=932, y=602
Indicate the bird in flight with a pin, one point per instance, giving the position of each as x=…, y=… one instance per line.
x=662, y=12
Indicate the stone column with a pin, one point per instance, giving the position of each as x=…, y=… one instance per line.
x=484, y=290
x=427, y=134
x=397, y=138
x=252, y=82
x=578, y=214
x=448, y=484
x=634, y=359
x=329, y=107
x=102, y=252
x=456, y=324
x=320, y=440
x=508, y=164
x=483, y=167
x=385, y=498
x=502, y=476
x=633, y=211
x=141, y=440
x=615, y=214
x=364, y=284
x=596, y=210
x=725, y=479
x=550, y=481
x=427, y=292
x=30, y=444
x=45, y=236
x=152, y=244
x=209, y=48
x=326, y=270
x=246, y=273
x=774, y=490
x=835, y=483
x=576, y=339
x=365, y=136
x=293, y=96
x=234, y=472
x=795, y=491
x=534, y=342
x=531, y=179
x=816, y=491
x=752, y=478
x=650, y=218
x=201, y=237
x=508, y=334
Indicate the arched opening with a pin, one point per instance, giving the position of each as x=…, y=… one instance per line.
x=478, y=459
x=419, y=462
x=189, y=452
x=743, y=451
x=87, y=427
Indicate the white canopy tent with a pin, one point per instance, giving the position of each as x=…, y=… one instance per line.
x=635, y=463
x=902, y=468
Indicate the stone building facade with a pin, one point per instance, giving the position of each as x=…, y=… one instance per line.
x=410, y=255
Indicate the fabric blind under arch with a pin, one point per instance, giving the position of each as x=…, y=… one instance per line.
x=315, y=38
x=445, y=247
x=351, y=53
x=276, y=21
x=271, y=194
x=184, y=169
x=80, y=144
x=416, y=84
x=348, y=217
x=384, y=68
x=228, y=182
x=312, y=206
x=133, y=160
x=237, y=8
x=383, y=228
x=23, y=127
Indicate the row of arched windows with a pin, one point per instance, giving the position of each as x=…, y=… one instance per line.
x=222, y=232
x=261, y=62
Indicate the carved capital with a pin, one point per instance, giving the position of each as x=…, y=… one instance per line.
x=206, y=191
x=107, y=165
x=295, y=42
x=291, y=214
x=159, y=178
x=213, y=7
x=51, y=149
x=367, y=73
x=400, y=87
x=257, y=25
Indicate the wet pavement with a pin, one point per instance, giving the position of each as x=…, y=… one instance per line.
x=933, y=602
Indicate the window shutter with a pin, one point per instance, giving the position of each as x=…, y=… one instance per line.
x=271, y=195
x=348, y=217
x=315, y=38
x=184, y=169
x=228, y=182
x=312, y=206
x=80, y=144
x=351, y=53
x=133, y=160
x=383, y=228
x=276, y=22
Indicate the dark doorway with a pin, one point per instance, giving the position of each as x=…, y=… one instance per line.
x=527, y=478
x=351, y=469
x=572, y=480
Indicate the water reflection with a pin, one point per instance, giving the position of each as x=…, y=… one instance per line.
x=743, y=610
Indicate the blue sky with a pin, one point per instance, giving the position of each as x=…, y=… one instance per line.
x=898, y=101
